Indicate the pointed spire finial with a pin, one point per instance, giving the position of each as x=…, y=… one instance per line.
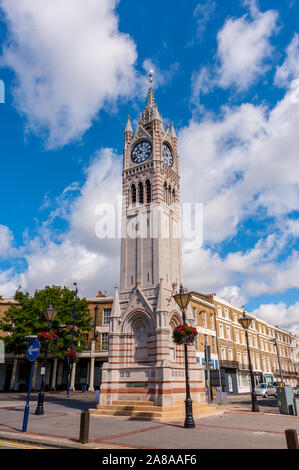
x=129, y=126
x=172, y=132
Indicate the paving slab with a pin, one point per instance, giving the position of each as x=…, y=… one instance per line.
x=59, y=427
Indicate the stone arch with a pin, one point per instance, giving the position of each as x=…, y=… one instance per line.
x=138, y=325
x=174, y=320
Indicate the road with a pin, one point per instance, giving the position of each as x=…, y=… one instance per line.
x=236, y=428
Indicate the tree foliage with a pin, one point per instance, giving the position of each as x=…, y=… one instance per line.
x=27, y=318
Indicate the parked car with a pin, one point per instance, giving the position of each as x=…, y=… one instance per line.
x=296, y=391
x=265, y=390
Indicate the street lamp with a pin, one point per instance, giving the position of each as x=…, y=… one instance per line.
x=183, y=299
x=49, y=314
x=278, y=356
x=245, y=322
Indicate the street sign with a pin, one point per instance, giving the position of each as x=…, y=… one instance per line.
x=33, y=350
x=32, y=353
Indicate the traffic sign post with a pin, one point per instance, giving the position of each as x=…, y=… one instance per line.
x=32, y=354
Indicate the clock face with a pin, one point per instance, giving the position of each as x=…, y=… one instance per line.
x=141, y=152
x=167, y=155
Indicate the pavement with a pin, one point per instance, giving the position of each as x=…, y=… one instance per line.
x=236, y=428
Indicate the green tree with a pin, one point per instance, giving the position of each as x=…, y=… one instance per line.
x=27, y=318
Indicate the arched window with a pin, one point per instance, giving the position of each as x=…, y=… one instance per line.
x=133, y=194
x=140, y=191
x=169, y=195
x=165, y=192
x=173, y=197
x=148, y=191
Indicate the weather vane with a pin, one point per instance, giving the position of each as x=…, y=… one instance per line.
x=150, y=75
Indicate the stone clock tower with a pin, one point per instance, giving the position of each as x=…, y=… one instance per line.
x=145, y=373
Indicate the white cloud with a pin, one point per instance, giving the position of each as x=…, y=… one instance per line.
x=6, y=241
x=243, y=46
x=77, y=254
x=247, y=161
x=289, y=70
x=203, y=13
x=70, y=60
x=280, y=314
x=242, y=52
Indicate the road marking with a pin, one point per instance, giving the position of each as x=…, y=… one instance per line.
x=21, y=446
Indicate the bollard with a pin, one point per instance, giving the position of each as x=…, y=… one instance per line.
x=84, y=427
x=292, y=439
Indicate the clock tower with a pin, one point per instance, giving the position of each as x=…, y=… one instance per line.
x=145, y=367
x=151, y=241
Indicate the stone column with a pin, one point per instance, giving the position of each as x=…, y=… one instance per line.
x=13, y=375
x=91, y=369
x=72, y=387
x=53, y=383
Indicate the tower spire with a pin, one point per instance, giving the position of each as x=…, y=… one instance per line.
x=129, y=126
x=150, y=97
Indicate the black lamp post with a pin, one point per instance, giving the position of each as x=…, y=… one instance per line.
x=49, y=314
x=183, y=299
x=245, y=322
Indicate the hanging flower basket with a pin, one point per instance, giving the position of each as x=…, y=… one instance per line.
x=48, y=339
x=184, y=334
x=71, y=354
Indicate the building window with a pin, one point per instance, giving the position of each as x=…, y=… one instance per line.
x=106, y=318
x=223, y=354
x=173, y=196
x=133, y=194
x=250, y=340
x=219, y=311
x=213, y=344
x=165, y=192
x=205, y=319
x=243, y=337
x=105, y=341
x=226, y=314
x=148, y=191
x=194, y=313
x=212, y=321
x=237, y=336
x=221, y=331
x=257, y=360
x=141, y=195
x=235, y=317
x=228, y=332
x=230, y=354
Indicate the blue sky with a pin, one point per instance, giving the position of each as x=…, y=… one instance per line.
x=226, y=74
